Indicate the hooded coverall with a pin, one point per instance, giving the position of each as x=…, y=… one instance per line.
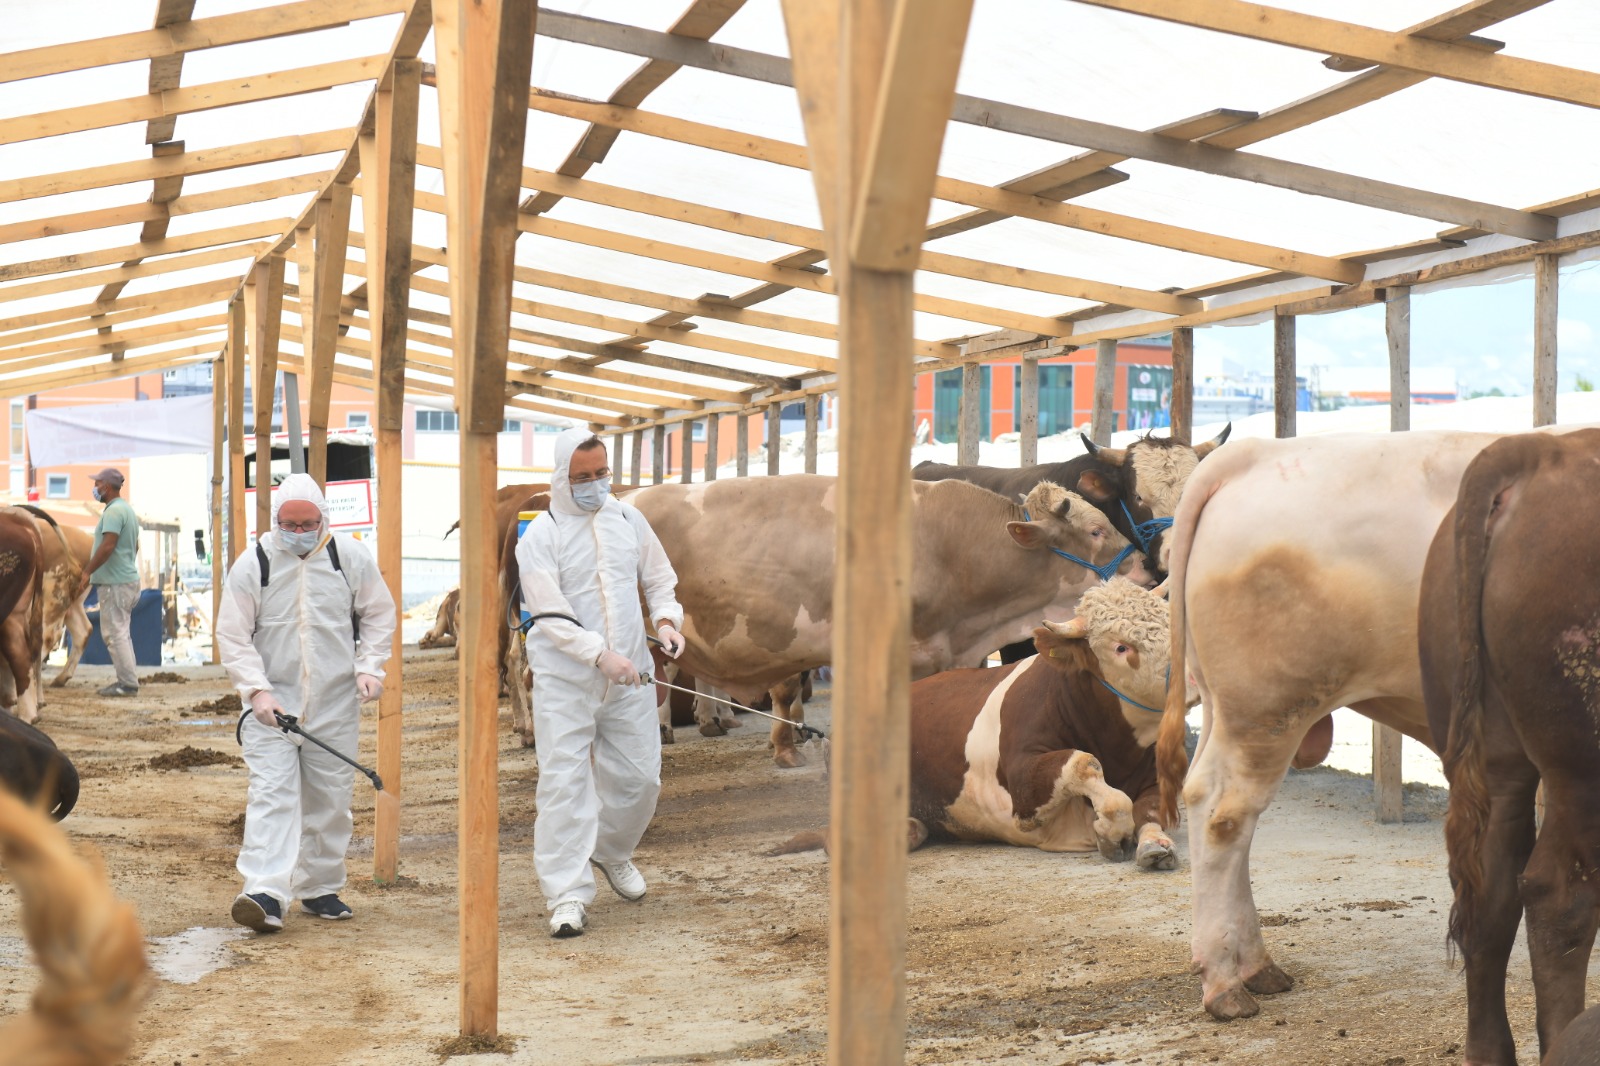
x=294, y=639
x=591, y=565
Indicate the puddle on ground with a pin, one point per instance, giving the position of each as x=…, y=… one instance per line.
x=184, y=958
x=201, y=721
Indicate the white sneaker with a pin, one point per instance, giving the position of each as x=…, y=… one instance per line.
x=625, y=878
x=567, y=919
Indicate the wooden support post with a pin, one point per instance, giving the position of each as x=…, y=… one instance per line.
x=1397, y=325
x=237, y=341
x=774, y=438
x=812, y=413
x=636, y=461
x=970, y=417
x=389, y=178
x=876, y=79
x=686, y=452
x=319, y=318
x=1183, y=383
x=1028, y=416
x=1105, y=380
x=658, y=455
x=1546, y=288
x=264, y=321
x=711, y=446
x=619, y=455
x=1386, y=783
x=484, y=55
x=219, y=463
x=741, y=445
x=1284, y=391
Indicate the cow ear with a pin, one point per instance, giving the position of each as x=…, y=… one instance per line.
x=1096, y=487
x=1062, y=653
x=1029, y=535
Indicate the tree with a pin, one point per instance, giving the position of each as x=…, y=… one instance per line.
x=1583, y=384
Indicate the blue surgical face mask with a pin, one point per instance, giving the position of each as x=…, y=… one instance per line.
x=299, y=543
x=96, y=494
x=591, y=495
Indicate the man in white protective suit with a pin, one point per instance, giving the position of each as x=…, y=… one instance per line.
x=304, y=630
x=586, y=559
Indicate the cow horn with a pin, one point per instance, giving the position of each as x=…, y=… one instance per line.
x=1093, y=448
x=1206, y=448
x=1077, y=629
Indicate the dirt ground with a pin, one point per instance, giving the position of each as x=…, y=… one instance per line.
x=1015, y=955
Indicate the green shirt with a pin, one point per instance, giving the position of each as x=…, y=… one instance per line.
x=119, y=568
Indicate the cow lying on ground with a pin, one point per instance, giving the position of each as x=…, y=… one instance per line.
x=759, y=608
x=88, y=945
x=1295, y=571
x=66, y=555
x=446, y=624
x=21, y=612
x=1510, y=646
x=31, y=766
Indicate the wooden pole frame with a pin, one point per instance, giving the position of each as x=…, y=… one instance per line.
x=812, y=409
x=1183, y=383
x=234, y=383
x=636, y=465
x=658, y=454
x=969, y=424
x=1028, y=416
x=712, y=422
x=741, y=445
x=1105, y=382
x=774, y=439
x=1546, y=302
x=1283, y=376
x=219, y=465
x=264, y=319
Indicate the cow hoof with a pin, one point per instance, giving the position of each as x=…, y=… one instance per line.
x=730, y=723
x=1233, y=1004
x=527, y=740
x=1156, y=855
x=712, y=729
x=1269, y=981
x=1116, y=850
x=788, y=759
x=60, y=682
x=667, y=736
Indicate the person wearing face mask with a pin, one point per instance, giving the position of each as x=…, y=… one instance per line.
x=304, y=630
x=594, y=724
x=115, y=575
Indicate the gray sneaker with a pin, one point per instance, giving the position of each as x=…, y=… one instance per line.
x=117, y=688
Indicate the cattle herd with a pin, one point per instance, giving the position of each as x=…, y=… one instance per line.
x=1446, y=584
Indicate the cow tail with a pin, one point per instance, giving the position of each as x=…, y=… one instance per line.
x=1172, y=757
x=89, y=947
x=1467, y=819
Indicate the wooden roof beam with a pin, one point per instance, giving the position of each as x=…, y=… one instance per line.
x=148, y=211
x=70, y=320
x=209, y=257
x=189, y=242
x=31, y=384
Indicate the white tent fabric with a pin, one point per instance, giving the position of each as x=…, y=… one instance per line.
x=93, y=433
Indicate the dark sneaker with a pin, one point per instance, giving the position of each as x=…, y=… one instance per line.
x=330, y=907
x=116, y=688
x=258, y=911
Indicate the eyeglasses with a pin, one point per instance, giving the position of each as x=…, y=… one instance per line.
x=584, y=479
x=300, y=527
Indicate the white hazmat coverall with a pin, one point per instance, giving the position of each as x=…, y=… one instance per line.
x=591, y=565
x=294, y=639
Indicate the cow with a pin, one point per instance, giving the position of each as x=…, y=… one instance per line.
x=66, y=556
x=1509, y=626
x=1295, y=569
x=1137, y=487
x=31, y=766
x=446, y=624
x=508, y=501
x=1047, y=752
x=758, y=608
x=89, y=949
x=1579, y=1044
x=21, y=612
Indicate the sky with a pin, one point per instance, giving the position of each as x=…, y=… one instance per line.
x=1070, y=58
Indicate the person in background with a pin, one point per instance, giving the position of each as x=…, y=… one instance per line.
x=115, y=575
x=304, y=630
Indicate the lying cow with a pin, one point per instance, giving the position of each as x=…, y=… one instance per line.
x=1295, y=571
x=446, y=624
x=31, y=766
x=759, y=608
x=1510, y=646
x=1046, y=752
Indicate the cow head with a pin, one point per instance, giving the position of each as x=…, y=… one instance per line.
x=1127, y=630
x=1153, y=472
x=1067, y=524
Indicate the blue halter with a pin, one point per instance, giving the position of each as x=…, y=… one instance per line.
x=1128, y=699
x=1145, y=532
x=1106, y=572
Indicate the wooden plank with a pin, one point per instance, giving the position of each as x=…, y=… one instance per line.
x=25, y=328
x=189, y=242
x=1183, y=383
x=189, y=36
x=1220, y=314
x=111, y=370
x=774, y=439
x=219, y=464
x=970, y=414
x=658, y=455
x=813, y=411
x=264, y=326
x=1105, y=377
x=712, y=422
x=205, y=161
x=1387, y=786
x=686, y=448
x=167, y=189
x=1440, y=59
x=191, y=99
x=1546, y=301
x=70, y=347
x=1284, y=390
x=741, y=445
x=913, y=109
x=331, y=233
x=636, y=464
x=238, y=334
x=1028, y=424
x=1397, y=329
x=97, y=278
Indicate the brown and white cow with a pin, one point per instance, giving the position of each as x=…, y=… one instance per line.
x=1510, y=647
x=66, y=554
x=21, y=612
x=1047, y=752
x=758, y=607
x=446, y=623
x=1295, y=572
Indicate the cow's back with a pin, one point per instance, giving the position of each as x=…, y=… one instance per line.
x=1015, y=483
x=944, y=709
